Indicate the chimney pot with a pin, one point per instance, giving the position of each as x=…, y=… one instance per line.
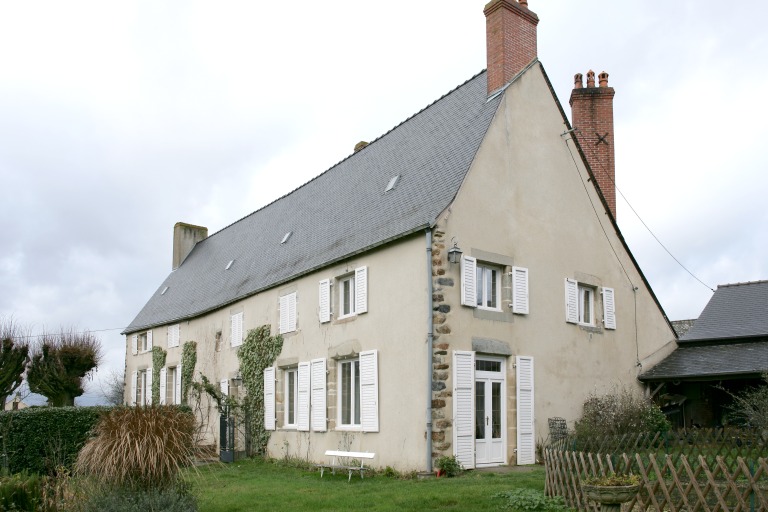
x=360, y=145
x=578, y=81
x=590, y=78
x=603, y=79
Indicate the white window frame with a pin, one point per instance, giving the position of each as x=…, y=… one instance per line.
x=172, y=382
x=482, y=294
x=142, y=387
x=365, y=393
x=356, y=293
x=586, y=305
x=142, y=342
x=347, y=296
x=354, y=399
x=291, y=374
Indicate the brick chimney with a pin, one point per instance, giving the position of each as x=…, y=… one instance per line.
x=510, y=30
x=592, y=115
x=185, y=236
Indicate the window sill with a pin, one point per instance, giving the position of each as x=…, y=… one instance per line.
x=496, y=315
x=350, y=428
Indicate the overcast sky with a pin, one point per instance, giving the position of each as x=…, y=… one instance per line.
x=118, y=120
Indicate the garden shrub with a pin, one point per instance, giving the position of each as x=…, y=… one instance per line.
x=20, y=492
x=750, y=407
x=173, y=499
x=41, y=439
x=620, y=412
x=530, y=500
x=449, y=465
x=140, y=448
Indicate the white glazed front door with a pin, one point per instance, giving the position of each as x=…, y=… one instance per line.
x=490, y=412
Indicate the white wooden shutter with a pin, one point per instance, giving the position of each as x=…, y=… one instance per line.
x=177, y=384
x=317, y=399
x=571, y=301
x=283, y=307
x=302, y=419
x=526, y=440
x=464, y=407
x=520, y=290
x=288, y=313
x=149, y=340
x=369, y=391
x=236, y=335
x=324, y=301
x=224, y=386
x=134, y=379
x=292, y=312
x=361, y=290
x=163, y=388
x=173, y=336
x=269, y=398
x=609, y=309
x=468, y=281
x=135, y=344
x=148, y=389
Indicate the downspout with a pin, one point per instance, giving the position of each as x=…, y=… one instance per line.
x=430, y=335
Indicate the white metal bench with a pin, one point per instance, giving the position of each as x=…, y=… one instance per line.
x=342, y=460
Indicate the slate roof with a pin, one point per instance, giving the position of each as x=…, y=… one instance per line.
x=730, y=338
x=342, y=212
x=735, y=311
x=712, y=361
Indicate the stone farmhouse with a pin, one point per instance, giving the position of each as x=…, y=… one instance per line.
x=443, y=290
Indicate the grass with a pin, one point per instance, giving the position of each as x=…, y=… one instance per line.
x=269, y=485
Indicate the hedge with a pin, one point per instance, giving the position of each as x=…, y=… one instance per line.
x=40, y=439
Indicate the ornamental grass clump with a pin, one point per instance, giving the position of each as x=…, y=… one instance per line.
x=140, y=448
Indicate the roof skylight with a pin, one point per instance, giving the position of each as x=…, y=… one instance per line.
x=229, y=264
x=286, y=237
x=393, y=182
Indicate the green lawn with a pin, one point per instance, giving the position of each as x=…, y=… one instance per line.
x=259, y=485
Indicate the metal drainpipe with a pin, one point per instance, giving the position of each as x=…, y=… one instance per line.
x=430, y=333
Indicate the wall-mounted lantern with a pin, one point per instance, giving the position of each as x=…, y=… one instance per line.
x=454, y=253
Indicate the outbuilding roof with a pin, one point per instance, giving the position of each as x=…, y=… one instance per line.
x=344, y=211
x=735, y=311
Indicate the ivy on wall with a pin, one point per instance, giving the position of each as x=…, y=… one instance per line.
x=188, y=362
x=158, y=362
x=258, y=352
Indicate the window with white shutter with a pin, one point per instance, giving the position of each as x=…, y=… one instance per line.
x=464, y=407
x=134, y=386
x=369, y=391
x=149, y=340
x=318, y=393
x=236, y=331
x=163, y=384
x=177, y=385
x=148, y=388
x=287, y=313
x=520, y=290
x=224, y=386
x=324, y=301
x=571, y=301
x=135, y=344
x=173, y=336
x=609, y=309
x=269, y=399
x=468, y=281
x=361, y=290
x=526, y=439
x=302, y=420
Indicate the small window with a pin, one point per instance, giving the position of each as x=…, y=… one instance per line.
x=236, y=330
x=349, y=397
x=287, y=313
x=171, y=386
x=347, y=296
x=173, y=335
x=488, y=287
x=286, y=237
x=586, y=305
x=143, y=393
x=291, y=397
x=392, y=183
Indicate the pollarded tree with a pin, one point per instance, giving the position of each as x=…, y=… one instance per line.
x=14, y=356
x=59, y=364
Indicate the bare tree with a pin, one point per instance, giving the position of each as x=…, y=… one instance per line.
x=59, y=364
x=113, y=388
x=14, y=357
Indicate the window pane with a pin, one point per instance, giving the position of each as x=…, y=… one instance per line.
x=491, y=288
x=356, y=391
x=496, y=413
x=346, y=393
x=482, y=365
x=291, y=398
x=479, y=285
x=480, y=410
x=170, y=386
x=587, y=306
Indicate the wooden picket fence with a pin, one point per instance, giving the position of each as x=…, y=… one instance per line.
x=713, y=472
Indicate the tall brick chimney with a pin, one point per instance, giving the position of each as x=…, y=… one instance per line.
x=510, y=30
x=185, y=236
x=592, y=115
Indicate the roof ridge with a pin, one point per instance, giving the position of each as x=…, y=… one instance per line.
x=348, y=156
x=744, y=283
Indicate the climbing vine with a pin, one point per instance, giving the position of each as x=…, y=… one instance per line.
x=258, y=352
x=158, y=362
x=188, y=362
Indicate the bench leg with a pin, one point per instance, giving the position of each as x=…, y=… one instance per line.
x=349, y=479
x=321, y=471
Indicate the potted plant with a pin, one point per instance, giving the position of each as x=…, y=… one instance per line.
x=611, y=490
